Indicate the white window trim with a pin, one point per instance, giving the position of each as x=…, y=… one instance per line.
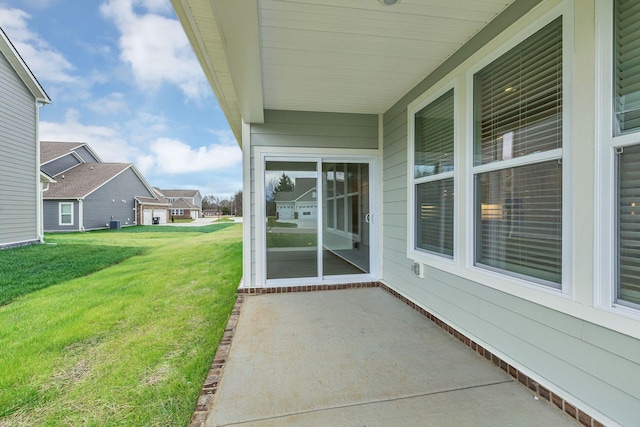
x=414, y=253
x=60, y=204
x=605, y=250
x=462, y=263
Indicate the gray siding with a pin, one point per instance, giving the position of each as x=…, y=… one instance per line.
x=51, y=212
x=86, y=155
x=106, y=203
x=593, y=364
x=309, y=130
x=19, y=179
x=60, y=165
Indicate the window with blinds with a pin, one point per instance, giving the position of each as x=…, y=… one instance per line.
x=433, y=176
x=518, y=99
x=433, y=144
x=627, y=66
x=629, y=225
x=626, y=105
x=517, y=113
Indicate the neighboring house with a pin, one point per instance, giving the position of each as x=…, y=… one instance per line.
x=185, y=204
x=21, y=183
x=89, y=194
x=184, y=209
x=301, y=203
x=152, y=210
x=488, y=155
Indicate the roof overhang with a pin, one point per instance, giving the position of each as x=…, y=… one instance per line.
x=344, y=56
x=225, y=38
x=9, y=51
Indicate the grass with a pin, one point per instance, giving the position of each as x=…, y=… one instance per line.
x=280, y=240
x=129, y=344
x=273, y=222
x=30, y=268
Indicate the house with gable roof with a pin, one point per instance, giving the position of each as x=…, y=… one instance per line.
x=153, y=210
x=89, y=194
x=21, y=183
x=301, y=203
x=185, y=204
x=491, y=154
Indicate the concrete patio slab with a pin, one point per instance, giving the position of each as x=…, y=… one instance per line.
x=361, y=357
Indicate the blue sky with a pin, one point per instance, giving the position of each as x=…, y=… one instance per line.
x=124, y=79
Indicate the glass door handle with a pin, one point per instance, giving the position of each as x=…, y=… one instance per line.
x=367, y=218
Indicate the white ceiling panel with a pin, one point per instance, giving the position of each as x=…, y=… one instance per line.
x=324, y=55
x=358, y=55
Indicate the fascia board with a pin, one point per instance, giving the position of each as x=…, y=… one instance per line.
x=239, y=24
x=21, y=68
x=228, y=103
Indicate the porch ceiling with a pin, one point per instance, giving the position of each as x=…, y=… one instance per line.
x=353, y=56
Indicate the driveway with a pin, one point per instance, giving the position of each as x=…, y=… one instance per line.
x=198, y=222
x=361, y=357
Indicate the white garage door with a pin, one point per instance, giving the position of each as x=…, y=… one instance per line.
x=162, y=214
x=146, y=217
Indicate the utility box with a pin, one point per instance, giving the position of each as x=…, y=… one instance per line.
x=114, y=225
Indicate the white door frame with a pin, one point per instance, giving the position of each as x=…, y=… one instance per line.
x=263, y=154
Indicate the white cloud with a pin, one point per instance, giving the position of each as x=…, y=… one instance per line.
x=157, y=6
x=170, y=156
x=44, y=61
x=107, y=142
x=155, y=47
x=112, y=103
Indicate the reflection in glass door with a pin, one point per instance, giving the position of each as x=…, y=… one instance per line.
x=345, y=225
x=317, y=219
x=292, y=219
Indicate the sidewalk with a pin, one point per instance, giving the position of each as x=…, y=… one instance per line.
x=361, y=357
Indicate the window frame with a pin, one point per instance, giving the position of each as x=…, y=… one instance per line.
x=60, y=213
x=606, y=259
x=564, y=11
x=461, y=79
x=536, y=158
x=413, y=252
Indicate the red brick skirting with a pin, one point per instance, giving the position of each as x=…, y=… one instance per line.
x=210, y=387
x=207, y=396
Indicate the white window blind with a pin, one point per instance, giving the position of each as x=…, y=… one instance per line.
x=433, y=176
x=629, y=225
x=433, y=144
x=627, y=66
x=434, y=231
x=519, y=220
x=518, y=99
x=518, y=113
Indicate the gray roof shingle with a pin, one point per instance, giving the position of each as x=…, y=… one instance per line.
x=179, y=193
x=83, y=179
x=50, y=150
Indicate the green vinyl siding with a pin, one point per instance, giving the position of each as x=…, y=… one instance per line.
x=582, y=361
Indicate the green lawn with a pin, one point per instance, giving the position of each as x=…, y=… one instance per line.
x=129, y=344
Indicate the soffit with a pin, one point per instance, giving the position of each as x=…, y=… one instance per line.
x=352, y=56
x=358, y=55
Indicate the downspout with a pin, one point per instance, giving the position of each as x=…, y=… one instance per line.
x=39, y=190
x=80, y=215
x=44, y=186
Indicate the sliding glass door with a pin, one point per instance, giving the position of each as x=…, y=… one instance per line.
x=317, y=219
x=346, y=216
